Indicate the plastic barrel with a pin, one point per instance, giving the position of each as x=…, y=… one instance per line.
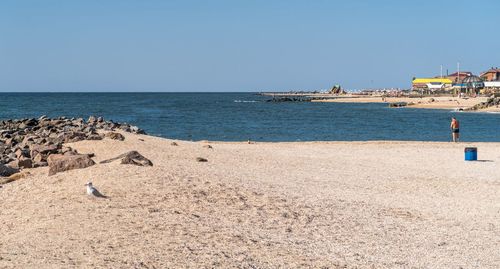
x=470, y=154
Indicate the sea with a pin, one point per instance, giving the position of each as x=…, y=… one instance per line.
x=247, y=116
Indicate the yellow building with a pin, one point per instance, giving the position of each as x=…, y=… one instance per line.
x=431, y=83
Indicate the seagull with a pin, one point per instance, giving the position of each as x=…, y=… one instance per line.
x=93, y=191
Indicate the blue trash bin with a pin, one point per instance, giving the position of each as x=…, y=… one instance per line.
x=470, y=154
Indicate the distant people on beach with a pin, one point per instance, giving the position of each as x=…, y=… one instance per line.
x=455, y=129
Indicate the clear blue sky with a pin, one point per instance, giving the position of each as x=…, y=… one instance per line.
x=246, y=45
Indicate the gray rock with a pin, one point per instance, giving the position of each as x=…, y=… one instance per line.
x=115, y=136
x=37, y=139
x=6, y=171
x=131, y=157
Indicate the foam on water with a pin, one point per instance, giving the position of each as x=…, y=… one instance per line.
x=246, y=101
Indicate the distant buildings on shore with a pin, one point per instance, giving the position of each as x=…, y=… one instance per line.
x=460, y=82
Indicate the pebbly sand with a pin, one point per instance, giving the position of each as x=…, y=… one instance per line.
x=263, y=205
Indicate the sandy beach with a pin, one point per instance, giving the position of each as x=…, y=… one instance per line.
x=263, y=205
x=424, y=102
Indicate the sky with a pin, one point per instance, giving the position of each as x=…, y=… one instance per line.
x=240, y=46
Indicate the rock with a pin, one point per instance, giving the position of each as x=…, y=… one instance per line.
x=94, y=137
x=13, y=177
x=40, y=164
x=11, y=156
x=5, y=180
x=490, y=102
x=36, y=139
x=10, y=142
x=29, y=139
x=25, y=163
x=21, y=163
x=398, y=104
x=289, y=99
x=60, y=163
x=6, y=170
x=22, y=153
x=66, y=149
x=115, y=136
x=72, y=137
x=202, y=160
x=19, y=175
x=78, y=122
x=14, y=164
x=131, y=157
x=39, y=158
x=71, y=153
x=92, y=119
x=43, y=149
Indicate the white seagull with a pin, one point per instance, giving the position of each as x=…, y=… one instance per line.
x=93, y=191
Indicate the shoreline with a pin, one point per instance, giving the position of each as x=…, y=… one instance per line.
x=419, y=102
x=425, y=102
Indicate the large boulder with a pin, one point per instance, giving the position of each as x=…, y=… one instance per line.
x=115, y=136
x=60, y=163
x=6, y=171
x=131, y=157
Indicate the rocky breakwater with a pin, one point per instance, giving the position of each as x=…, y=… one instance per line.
x=490, y=102
x=28, y=143
x=286, y=99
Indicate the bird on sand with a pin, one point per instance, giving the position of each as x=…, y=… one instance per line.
x=92, y=191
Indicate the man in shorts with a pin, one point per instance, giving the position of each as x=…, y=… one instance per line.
x=455, y=129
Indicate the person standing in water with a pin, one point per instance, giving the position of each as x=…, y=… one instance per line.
x=455, y=129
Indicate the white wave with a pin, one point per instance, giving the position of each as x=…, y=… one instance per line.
x=245, y=101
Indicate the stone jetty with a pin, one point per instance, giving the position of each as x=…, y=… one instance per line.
x=490, y=102
x=28, y=143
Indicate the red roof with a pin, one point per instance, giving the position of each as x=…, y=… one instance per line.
x=462, y=73
x=492, y=70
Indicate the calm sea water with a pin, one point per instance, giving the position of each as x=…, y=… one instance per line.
x=243, y=116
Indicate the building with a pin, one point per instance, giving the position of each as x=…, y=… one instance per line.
x=494, y=85
x=431, y=84
x=458, y=77
x=491, y=75
x=460, y=82
x=471, y=85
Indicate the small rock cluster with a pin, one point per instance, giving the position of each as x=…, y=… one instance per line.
x=28, y=143
x=490, y=102
x=398, y=104
x=295, y=99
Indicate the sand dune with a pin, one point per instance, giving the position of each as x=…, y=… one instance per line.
x=263, y=205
